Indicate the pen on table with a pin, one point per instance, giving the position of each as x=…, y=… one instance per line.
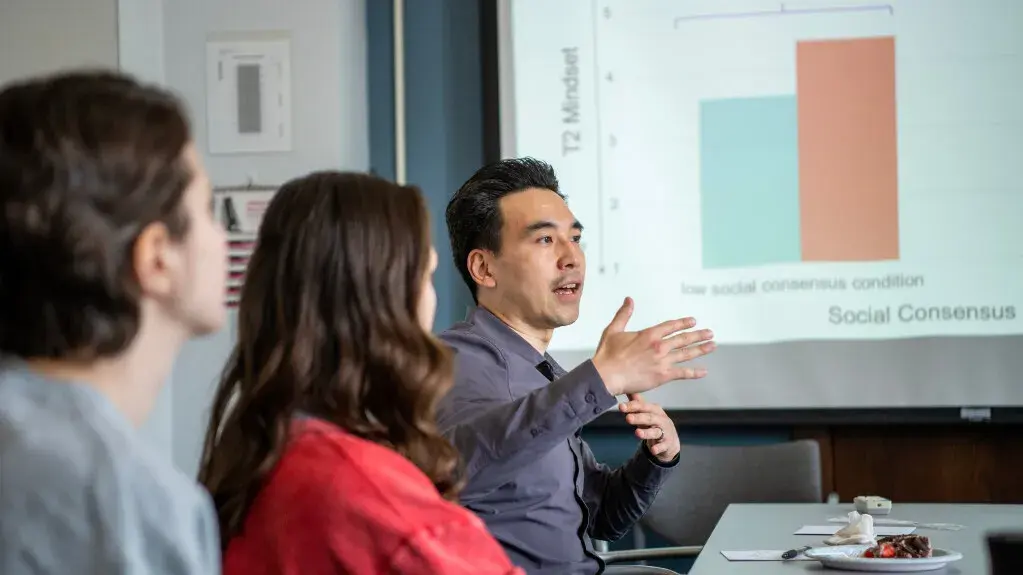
x=793, y=553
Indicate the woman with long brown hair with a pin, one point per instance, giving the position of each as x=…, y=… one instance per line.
x=322, y=455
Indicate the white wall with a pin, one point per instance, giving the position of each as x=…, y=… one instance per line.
x=42, y=36
x=140, y=39
x=330, y=131
x=328, y=50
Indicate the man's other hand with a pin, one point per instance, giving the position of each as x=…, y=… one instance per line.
x=653, y=426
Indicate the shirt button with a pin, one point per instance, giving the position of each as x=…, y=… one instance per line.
x=590, y=398
x=597, y=410
x=535, y=432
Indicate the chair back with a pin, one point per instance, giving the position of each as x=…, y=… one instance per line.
x=1005, y=552
x=709, y=478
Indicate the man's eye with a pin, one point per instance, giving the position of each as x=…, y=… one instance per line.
x=577, y=239
x=545, y=240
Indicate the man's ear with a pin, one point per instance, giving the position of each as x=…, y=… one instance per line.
x=479, y=263
x=151, y=259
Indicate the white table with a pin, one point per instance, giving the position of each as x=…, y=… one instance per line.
x=746, y=527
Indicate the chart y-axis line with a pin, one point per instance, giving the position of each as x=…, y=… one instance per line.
x=601, y=250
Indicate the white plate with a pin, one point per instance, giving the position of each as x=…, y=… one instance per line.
x=850, y=558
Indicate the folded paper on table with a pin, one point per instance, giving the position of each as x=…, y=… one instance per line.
x=833, y=529
x=918, y=524
x=762, y=555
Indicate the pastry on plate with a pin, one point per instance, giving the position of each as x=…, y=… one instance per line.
x=900, y=547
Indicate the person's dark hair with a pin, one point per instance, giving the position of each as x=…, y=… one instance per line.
x=474, y=213
x=88, y=160
x=328, y=327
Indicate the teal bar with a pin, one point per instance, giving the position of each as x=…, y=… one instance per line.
x=749, y=181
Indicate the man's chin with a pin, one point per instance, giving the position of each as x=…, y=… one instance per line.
x=566, y=317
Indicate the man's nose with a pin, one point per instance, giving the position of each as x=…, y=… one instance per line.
x=570, y=255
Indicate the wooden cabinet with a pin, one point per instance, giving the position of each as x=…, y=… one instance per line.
x=925, y=463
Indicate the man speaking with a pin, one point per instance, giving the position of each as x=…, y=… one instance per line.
x=514, y=413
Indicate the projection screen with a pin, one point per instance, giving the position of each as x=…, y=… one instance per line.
x=832, y=186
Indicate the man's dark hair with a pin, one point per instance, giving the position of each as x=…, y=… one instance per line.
x=88, y=159
x=474, y=212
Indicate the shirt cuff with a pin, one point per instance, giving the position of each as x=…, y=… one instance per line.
x=589, y=396
x=644, y=471
x=653, y=459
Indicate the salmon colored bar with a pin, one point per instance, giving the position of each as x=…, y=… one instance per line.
x=848, y=169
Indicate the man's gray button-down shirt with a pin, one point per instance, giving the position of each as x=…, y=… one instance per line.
x=531, y=477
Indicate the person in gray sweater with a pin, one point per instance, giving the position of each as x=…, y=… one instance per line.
x=111, y=260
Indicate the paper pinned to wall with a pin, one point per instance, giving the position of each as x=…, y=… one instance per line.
x=248, y=92
x=240, y=211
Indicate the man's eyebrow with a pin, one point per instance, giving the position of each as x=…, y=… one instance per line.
x=537, y=226
x=548, y=225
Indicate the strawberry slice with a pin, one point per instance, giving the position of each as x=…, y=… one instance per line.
x=882, y=551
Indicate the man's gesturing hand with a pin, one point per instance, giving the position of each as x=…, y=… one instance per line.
x=637, y=361
x=653, y=426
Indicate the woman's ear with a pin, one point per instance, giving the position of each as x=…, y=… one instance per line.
x=154, y=261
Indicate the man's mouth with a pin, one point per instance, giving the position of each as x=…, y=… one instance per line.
x=568, y=288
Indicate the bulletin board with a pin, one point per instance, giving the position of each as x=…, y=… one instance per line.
x=240, y=210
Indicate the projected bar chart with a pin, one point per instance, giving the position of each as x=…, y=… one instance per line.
x=812, y=176
x=785, y=170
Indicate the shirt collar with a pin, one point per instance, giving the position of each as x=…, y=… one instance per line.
x=504, y=336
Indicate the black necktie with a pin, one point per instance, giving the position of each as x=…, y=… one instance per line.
x=546, y=369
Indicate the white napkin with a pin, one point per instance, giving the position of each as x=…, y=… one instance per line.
x=859, y=531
